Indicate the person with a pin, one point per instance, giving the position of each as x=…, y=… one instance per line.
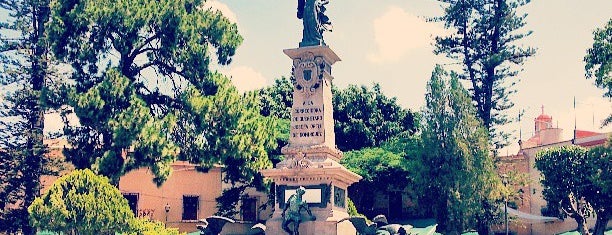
x=294, y=206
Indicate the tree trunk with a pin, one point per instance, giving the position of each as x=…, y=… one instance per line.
x=582, y=225
x=602, y=222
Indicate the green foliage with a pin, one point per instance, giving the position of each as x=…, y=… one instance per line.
x=599, y=160
x=458, y=176
x=352, y=210
x=484, y=39
x=228, y=201
x=140, y=226
x=375, y=163
x=575, y=183
x=276, y=100
x=83, y=203
x=599, y=61
x=382, y=170
x=365, y=117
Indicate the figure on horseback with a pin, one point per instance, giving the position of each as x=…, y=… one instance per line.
x=292, y=211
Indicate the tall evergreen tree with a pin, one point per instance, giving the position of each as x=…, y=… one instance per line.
x=484, y=40
x=25, y=82
x=458, y=170
x=145, y=95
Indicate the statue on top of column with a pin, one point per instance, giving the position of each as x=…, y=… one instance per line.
x=312, y=13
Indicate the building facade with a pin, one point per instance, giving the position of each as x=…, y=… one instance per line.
x=529, y=218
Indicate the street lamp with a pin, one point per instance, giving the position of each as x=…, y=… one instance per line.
x=167, y=208
x=505, y=181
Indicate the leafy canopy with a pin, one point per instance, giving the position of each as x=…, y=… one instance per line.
x=575, y=184
x=83, y=203
x=365, y=117
x=389, y=167
x=144, y=93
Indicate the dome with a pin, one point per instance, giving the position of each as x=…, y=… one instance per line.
x=543, y=117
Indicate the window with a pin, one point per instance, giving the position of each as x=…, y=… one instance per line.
x=132, y=199
x=249, y=209
x=190, y=207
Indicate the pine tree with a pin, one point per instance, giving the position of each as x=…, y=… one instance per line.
x=24, y=77
x=484, y=41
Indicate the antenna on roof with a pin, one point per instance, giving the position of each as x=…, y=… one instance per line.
x=521, y=112
x=574, y=138
x=593, y=119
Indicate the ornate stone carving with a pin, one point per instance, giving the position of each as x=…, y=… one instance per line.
x=307, y=73
x=298, y=161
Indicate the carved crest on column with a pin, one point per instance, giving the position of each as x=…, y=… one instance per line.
x=298, y=161
x=307, y=73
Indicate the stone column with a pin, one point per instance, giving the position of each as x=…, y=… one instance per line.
x=311, y=157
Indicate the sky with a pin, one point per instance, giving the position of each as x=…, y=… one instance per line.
x=389, y=42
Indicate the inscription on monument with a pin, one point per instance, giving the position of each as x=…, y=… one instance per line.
x=307, y=120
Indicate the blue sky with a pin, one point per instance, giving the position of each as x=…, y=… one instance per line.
x=388, y=41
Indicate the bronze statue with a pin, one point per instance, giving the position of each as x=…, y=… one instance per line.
x=294, y=206
x=312, y=13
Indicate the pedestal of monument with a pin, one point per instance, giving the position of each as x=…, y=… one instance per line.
x=311, y=157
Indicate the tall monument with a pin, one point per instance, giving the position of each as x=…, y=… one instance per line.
x=311, y=157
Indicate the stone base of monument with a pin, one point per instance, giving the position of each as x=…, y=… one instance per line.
x=326, y=223
x=326, y=183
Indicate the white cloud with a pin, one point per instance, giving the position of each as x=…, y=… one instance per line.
x=396, y=32
x=225, y=10
x=246, y=78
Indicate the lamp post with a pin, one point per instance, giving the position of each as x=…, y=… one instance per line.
x=505, y=181
x=167, y=208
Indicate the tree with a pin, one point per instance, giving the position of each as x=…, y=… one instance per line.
x=564, y=184
x=599, y=61
x=277, y=99
x=144, y=93
x=365, y=117
x=82, y=203
x=26, y=94
x=484, y=41
x=599, y=161
x=575, y=185
x=458, y=172
x=382, y=170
